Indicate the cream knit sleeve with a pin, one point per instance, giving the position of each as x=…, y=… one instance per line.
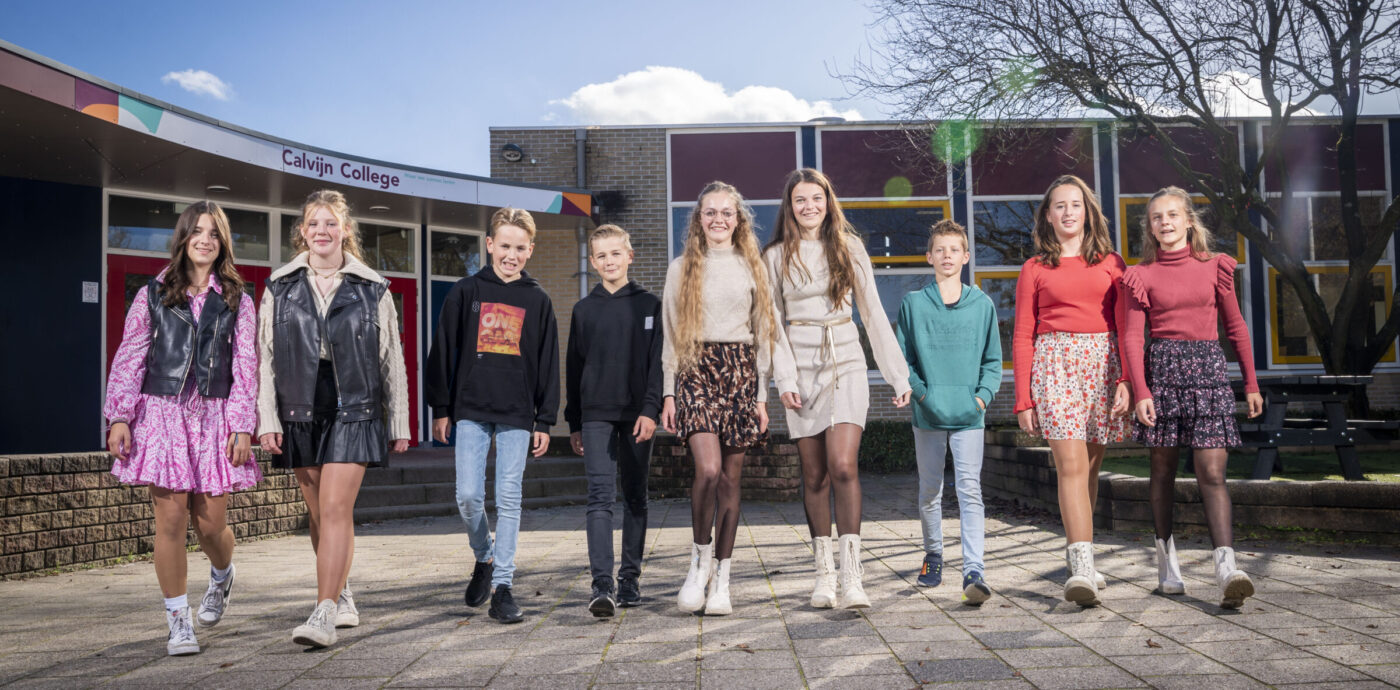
x=784, y=363
x=888, y=356
x=268, y=421
x=392, y=370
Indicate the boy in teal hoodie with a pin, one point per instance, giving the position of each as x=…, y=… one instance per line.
x=948, y=332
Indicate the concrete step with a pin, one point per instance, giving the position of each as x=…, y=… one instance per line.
x=446, y=492
x=379, y=513
x=444, y=470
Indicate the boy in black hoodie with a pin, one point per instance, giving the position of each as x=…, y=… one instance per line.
x=494, y=372
x=613, y=374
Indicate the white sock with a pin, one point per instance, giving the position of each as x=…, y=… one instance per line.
x=177, y=603
x=220, y=575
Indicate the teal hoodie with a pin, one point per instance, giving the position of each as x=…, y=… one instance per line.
x=954, y=356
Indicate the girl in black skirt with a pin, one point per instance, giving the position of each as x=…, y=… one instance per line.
x=719, y=333
x=331, y=371
x=1181, y=289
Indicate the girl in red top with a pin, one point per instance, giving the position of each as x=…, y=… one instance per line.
x=1182, y=386
x=1065, y=356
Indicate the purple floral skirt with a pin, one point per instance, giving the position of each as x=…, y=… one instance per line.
x=719, y=395
x=1190, y=385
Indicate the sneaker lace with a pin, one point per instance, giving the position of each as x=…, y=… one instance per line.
x=214, y=598
x=319, y=616
x=506, y=598
x=180, y=629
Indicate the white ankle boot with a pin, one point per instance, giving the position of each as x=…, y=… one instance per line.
x=1079, y=588
x=824, y=590
x=851, y=591
x=1235, y=585
x=717, y=604
x=1099, y=581
x=692, y=596
x=1168, y=569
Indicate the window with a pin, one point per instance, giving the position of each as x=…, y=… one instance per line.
x=147, y=225
x=388, y=248
x=454, y=255
x=1292, y=339
x=896, y=233
x=1000, y=286
x=892, y=285
x=764, y=217
x=1312, y=225
x=1132, y=209
x=1003, y=231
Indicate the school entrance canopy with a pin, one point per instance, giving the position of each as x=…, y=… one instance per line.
x=92, y=177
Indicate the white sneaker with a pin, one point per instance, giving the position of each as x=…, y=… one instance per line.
x=181, y=641
x=1235, y=585
x=319, y=629
x=1168, y=568
x=850, y=593
x=215, y=601
x=824, y=589
x=346, y=615
x=692, y=594
x=718, y=604
x=1079, y=587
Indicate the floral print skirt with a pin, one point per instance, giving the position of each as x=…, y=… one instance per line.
x=1190, y=385
x=719, y=395
x=1073, y=377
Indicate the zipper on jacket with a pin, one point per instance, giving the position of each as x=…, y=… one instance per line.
x=213, y=347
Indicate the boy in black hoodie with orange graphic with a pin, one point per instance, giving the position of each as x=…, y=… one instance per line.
x=493, y=371
x=613, y=376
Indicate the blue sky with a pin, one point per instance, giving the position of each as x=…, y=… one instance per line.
x=419, y=83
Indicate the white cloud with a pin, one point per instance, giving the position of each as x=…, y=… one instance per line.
x=201, y=83
x=671, y=95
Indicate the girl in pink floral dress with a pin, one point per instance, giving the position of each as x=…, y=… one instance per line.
x=181, y=404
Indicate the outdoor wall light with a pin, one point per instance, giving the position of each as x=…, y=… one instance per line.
x=216, y=188
x=512, y=153
x=379, y=209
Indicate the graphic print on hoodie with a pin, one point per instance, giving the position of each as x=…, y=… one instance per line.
x=495, y=354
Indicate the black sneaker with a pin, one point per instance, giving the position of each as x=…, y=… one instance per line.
x=503, y=606
x=975, y=589
x=479, y=589
x=602, y=603
x=628, y=592
x=931, y=574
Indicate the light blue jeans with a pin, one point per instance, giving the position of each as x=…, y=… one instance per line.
x=512, y=447
x=930, y=447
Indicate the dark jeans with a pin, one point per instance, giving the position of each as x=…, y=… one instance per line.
x=609, y=453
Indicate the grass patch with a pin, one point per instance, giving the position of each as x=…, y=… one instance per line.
x=1297, y=467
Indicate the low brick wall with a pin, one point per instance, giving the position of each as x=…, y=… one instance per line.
x=1366, y=510
x=64, y=510
x=772, y=472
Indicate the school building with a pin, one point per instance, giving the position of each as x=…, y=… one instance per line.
x=92, y=179
x=894, y=185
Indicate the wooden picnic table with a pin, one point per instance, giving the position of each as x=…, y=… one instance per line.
x=1275, y=429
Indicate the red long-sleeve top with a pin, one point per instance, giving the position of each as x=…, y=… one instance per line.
x=1072, y=298
x=1180, y=297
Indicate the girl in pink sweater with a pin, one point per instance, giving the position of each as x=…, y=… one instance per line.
x=1181, y=383
x=181, y=406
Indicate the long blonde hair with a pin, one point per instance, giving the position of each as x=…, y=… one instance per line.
x=334, y=202
x=840, y=268
x=690, y=306
x=1096, y=244
x=1198, y=236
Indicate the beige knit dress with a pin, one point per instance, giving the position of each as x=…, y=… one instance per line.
x=824, y=342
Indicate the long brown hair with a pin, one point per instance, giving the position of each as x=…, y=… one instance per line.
x=690, y=300
x=1198, y=236
x=334, y=202
x=833, y=235
x=1096, y=244
x=177, y=275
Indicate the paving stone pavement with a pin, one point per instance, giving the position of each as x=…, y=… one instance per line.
x=1324, y=614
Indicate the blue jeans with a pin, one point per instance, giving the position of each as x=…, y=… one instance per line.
x=512, y=448
x=930, y=447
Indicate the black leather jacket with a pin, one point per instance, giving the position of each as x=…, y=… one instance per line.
x=176, y=340
x=352, y=329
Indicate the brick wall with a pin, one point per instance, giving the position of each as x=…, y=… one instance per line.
x=772, y=472
x=64, y=510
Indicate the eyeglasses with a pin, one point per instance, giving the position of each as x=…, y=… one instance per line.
x=709, y=214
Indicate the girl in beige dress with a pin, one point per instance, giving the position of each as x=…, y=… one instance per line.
x=819, y=271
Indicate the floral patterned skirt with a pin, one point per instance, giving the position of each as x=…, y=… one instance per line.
x=719, y=395
x=1072, y=382
x=1190, y=385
